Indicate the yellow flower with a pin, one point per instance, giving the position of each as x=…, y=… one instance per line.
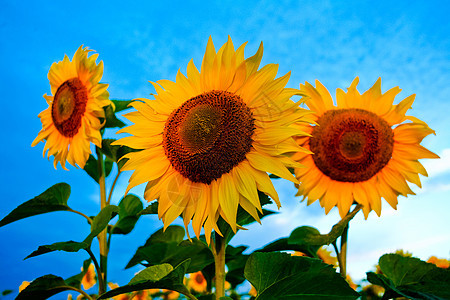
x=89, y=280
x=71, y=120
x=113, y=286
x=208, y=139
x=23, y=285
x=351, y=283
x=439, y=262
x=197, y=282
x=170, y=295
x=364, y=148
x=253, y=291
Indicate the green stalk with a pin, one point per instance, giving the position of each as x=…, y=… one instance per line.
x=343, y=253
x=218, y=249
x=102, y=236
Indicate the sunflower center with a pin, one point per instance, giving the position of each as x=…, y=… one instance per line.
x=351, y=145
x=69, y=105
x=208, y=135
x=199, y=278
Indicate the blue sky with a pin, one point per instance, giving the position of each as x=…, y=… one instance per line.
x=406, y=43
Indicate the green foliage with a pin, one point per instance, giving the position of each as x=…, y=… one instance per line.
x=91, y=167
x=53, y=199
x=235, y=261
x=69, y=246
x=43, y=288
x=111, y=120
x=412, y=278
x=129, y=212
x=169, y=247
x=101, y=221
x=282, y=276
x=6, y=292
x=121, y=104
x=151, y=209
x=162, y=276
x=306, y=238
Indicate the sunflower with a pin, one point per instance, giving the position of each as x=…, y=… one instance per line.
x=89, y=279
x=197, y=282
x=71, y=121
x=208, y=139
x=365, y=148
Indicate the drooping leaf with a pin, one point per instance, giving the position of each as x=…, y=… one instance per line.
x=91, y=167
x=282, y=276
x=307, y=238
x=53, y=199
x=69, y=246
x=101, y=221
x=121, y=104
x=43, y=288
x=411, y=277
x=111, y=120
x=155, y=277
x=129, y=212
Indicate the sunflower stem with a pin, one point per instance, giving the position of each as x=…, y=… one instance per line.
x=218, y=249
x=102, y=236
x=101, y=284
x=112, y=187
x=343, y=253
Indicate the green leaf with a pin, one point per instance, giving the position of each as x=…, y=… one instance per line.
x=6, y=292
x=121, y=104
x=129, y=212
x=306, y=238
x=43, y=288
x=101, y=221
x=235, y=262
x=282, y=276
x=168, y=247
x=155, y=277
x=53, y=199
x=91, y=167
x=75, y=280
x=69, y=246
x=111, y=120
x=151, y=209
x=411, y=277
x=153, y=273
x=283, y=245
x=173, y=233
